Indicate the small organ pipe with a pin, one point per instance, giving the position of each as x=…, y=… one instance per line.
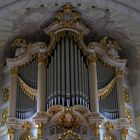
x=67, y=78
x=63, y=71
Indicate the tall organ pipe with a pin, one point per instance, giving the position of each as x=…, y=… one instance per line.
x=68, y=75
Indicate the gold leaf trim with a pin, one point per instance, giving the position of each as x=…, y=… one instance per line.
x=30, y=92
x=4, y=116
x=103, y=62
x=126, y=96
x=5, y=96
x=104, y=92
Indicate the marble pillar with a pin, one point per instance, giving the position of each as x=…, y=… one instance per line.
x=94, y=104
x=13, y=90
x=121, y=100
x=41, y=91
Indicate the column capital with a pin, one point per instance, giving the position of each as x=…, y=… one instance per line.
x=91, y=59
x=119, y=72
x=42, y=58
x=14, y=71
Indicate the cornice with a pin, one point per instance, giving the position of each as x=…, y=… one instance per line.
x=96, y=47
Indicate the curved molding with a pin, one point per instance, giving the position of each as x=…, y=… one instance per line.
x=98, y=48
x=22, y=59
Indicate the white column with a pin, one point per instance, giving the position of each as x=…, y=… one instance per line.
x=41, y=94
x=121, y=100
x=13, y=90
x=94, y=104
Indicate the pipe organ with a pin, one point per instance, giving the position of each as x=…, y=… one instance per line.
x=67, y=73
x=109, y=105
x=27, y=79
x=64, y=89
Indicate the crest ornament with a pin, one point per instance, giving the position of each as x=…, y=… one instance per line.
x=67, y=17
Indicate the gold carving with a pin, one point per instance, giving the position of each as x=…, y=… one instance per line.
x=109, y=126
x=14, y=71
x=26, y=126
x=4, y=116
x=27, y=136
x=126, y=96
x=30, y=92
x=108, y=131
x=128, y=115
x=5, y=96
x=91, y=59
x=41, y=130
x=11, y=133
x=107, y=43
x=19, y=42
x=67, y=17
x=109, y=136
x=104, y=92
x=96, y=129
x=124, y=133
x=68, y=119
x=119, y=72
x=42, y=58
x=69, y=134
x=33, y=57
x=103, y=62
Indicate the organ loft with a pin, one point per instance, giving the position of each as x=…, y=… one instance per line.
x=68, y=84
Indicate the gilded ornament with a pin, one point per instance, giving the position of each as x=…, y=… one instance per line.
x=26, y=126
x=96, y=129
x=5, y=96
x=91, y=59
x=67, y=17
x=42, y=58
x=103, y=61
x=4, y=116
x=28, y=62
x=14, y=71
x=108, y=131
x=109, y=136
x=109, y=126
x=30, y=92
x=69, y=133
x=124, y=133
x=119, y=72
x=11, y=133
x=68, y=119
x=128, y=115
x=27, y=136
x=126, y=96
x=104, y=92
x=41, y=129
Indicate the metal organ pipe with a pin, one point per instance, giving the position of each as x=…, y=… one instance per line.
x=68, y=78
x=72, y=72
x=59, y=74
x=26, y=107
